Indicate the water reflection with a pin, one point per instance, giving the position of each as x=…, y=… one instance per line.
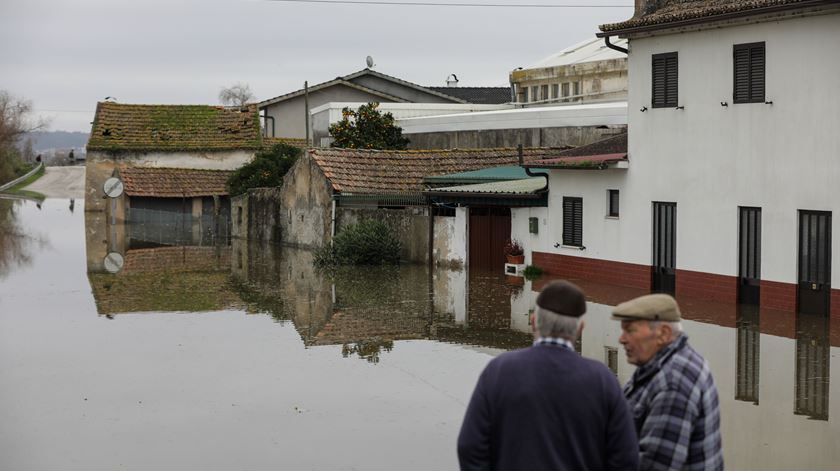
x=365, y=315
x=15, y=242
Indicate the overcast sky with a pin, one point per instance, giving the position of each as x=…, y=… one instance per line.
x=65, y=55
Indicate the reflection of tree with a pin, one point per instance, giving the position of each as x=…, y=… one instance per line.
x=367, y=349
x=14, y=243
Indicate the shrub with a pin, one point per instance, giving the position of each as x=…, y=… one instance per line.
x=532, y=271
x=266, y=170
x=369, y=242
x=367, y=128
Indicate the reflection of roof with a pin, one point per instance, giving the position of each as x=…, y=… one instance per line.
x=173, y=182
x=512, y=187
x=124, y=127
x=599, y=154
x=590, y=50
x=664, y=13
x=477, y=95
x=167, y=279
x=391, y=172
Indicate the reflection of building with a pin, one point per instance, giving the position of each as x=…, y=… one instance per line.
x=812, y=366
x=747, y=369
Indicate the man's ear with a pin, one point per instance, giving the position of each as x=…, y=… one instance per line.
x=581, y=325
x=665, y=333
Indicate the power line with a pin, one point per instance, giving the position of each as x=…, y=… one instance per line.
x=439, y=4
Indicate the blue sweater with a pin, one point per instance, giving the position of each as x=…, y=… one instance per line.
x=546, y=407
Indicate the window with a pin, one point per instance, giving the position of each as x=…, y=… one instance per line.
x=535, y=93
x=748, y=63
x=565, y=90
x=544, y=91
x=611, y=359
x=612, y=203
x=664, y=80
x=555, y=90
x=573, y=221
x=523, y=95
x=576, y=89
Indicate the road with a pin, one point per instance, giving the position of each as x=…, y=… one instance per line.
x=61, y=182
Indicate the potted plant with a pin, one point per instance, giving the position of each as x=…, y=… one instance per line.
x=514, y=253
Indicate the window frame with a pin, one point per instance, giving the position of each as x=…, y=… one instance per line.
x=613, y=212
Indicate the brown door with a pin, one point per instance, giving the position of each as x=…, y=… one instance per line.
x=489, y=231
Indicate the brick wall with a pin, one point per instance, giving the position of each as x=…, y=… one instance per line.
x=604, y=271
x=707, y=286
x=776, y=295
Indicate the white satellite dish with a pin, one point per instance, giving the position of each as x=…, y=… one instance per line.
x=369, y=62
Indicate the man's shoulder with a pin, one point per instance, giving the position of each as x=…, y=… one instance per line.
x=684, y=370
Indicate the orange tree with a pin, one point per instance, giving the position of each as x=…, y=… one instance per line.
x=367, y=128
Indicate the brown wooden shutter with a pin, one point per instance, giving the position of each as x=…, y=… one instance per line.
x=572, y=221
x=665, y=77
x=748, y=62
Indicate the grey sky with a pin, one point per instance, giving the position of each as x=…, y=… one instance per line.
x=67, y=55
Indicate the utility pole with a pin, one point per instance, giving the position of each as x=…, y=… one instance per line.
x=306, y=105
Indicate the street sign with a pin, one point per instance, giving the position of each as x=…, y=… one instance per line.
x=113, y=262
x=113, y=187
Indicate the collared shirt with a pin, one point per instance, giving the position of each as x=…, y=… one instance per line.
x=559, y=341
x=674, y=403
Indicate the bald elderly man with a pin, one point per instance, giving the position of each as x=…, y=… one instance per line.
x=672, y=394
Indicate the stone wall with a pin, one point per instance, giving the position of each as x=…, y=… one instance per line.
x=411, y=226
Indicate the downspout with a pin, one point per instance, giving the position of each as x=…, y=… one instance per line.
x=332, y=221
x=614, y=47
x=528, y=170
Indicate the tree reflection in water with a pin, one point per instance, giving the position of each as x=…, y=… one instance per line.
x=15, y=244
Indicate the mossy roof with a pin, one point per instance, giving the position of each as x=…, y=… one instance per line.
x=125, y=127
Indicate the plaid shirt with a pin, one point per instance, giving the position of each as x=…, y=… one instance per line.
x=674, y=402
x=558, y=341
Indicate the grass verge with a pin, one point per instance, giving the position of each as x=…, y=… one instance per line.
x=18, y=189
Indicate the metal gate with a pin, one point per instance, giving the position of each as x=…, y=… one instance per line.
x=489, y=231
x=814, y=262
x=749, y=255
x=664, y=247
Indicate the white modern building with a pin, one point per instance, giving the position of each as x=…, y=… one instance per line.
x=728, y=188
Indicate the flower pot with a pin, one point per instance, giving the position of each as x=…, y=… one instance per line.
x=515, y=259
x=514, y=280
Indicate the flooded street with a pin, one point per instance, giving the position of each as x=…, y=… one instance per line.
x=120, y=350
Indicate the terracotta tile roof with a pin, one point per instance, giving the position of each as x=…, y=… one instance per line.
x=270, y=141
x=123, y=127
x=663, y=13
x=173, y=182
x=390, y=172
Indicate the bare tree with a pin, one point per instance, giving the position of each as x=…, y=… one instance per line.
x=15, y=121
x=238, y=94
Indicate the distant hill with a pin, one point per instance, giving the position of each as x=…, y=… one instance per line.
x=44, y=140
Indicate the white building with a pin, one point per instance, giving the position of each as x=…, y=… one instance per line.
x=733, y=157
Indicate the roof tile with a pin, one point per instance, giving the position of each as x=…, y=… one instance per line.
x=173, y=182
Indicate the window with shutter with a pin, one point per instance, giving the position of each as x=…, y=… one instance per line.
x=748, y=63
x=665, y=68
x=573, y=221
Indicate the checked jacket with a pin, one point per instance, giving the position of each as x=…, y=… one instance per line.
x=674, y=403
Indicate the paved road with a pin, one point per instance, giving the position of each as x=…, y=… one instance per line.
x=61, y=182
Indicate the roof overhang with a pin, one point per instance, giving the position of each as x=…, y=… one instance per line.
x=582, y=162
x=339, y=81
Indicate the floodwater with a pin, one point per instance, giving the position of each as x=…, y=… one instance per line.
x=120, y=351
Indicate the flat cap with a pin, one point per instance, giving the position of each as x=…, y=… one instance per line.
x=651, y=307
x=562, y=297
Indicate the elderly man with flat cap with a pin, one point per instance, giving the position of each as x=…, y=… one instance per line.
x=546, y=407
x=672, y=394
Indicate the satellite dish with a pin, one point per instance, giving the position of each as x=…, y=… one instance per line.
x=113, y=187
x=369, y=62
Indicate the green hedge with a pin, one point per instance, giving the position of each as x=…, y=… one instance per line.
x=370, y=242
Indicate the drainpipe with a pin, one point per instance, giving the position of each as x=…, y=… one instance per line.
x=613, y=46
x=528, y=170
x=332, y=221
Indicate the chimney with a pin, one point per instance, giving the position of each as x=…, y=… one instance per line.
x=452, y=81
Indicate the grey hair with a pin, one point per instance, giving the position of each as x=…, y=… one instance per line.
x=676, y=327
x=551, y=324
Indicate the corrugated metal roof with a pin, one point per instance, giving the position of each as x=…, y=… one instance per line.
x=590, y=50
x=511, y=187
